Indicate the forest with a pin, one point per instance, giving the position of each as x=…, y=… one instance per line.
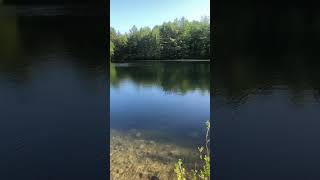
x=179, y=39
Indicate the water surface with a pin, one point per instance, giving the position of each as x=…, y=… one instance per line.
x=53, y=89
x=267, y=116
x=168, y=97
x=158, y=112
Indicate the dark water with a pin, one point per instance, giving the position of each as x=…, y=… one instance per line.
x=53, y=91
x=169, y=99
x=266, y=90
x=266, y=119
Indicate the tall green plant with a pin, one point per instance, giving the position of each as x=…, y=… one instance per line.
x=204, y=172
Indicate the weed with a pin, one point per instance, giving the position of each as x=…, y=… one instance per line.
x=204, y=172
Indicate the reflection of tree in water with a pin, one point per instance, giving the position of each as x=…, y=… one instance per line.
x=9, y=37
x=264, y=47
x=29, y=40
x=237, y=80
x=170, y=76
x=11, y=48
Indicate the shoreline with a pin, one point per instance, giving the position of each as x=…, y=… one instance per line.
x=174, y=60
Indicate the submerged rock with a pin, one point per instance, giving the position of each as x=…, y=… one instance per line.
x=154, y=178
x=138, y=134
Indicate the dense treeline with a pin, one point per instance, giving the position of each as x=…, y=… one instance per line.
x=180, y=39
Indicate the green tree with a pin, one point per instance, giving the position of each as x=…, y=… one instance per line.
x=180, y=39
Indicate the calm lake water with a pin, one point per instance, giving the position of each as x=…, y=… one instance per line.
x=165, y=103
x=53, y=93
x=267, y=118
x=170, y=98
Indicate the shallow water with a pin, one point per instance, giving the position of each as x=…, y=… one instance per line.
x=167, y=103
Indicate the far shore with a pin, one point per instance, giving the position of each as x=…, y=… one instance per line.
x=172, y=60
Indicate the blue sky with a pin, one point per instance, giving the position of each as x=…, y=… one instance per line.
x=126, y=13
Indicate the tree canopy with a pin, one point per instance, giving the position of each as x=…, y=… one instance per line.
x=179, y=39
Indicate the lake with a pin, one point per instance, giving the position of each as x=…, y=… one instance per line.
x=53, y=91
x=265, y=93
x=158, y=112
x=266, y=117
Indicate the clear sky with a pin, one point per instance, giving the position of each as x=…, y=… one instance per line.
x=126, y=13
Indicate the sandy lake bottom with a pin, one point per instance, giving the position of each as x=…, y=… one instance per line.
x=133, y=155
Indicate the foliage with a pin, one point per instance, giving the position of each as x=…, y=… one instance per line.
x=180, y=171
x=204, y=172
x=111, y=49
x=180, y=39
